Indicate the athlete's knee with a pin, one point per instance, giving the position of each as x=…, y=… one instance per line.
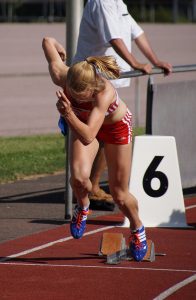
x=119, y=196
x=123, y=198
x=80, y=182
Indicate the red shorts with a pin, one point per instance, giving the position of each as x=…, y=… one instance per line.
x=119, y=133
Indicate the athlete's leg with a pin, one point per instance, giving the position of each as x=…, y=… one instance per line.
x=81, y=162
x=80, y=165
x=119, y=163
x=99, y=166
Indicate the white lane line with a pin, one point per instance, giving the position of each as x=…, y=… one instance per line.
x=175, y=288
x=91, y=267
x=190, y=207
x=28, y=251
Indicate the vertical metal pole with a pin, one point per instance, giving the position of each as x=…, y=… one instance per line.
x=137, y=102
x=149, y=105
x=74, y=9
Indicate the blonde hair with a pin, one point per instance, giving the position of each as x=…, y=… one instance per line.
x=88, y=75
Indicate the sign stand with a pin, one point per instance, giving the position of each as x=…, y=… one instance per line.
x=155, y=182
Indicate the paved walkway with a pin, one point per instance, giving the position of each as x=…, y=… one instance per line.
x=28, y=206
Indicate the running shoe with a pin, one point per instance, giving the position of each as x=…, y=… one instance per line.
x=138, y=244
x=78, y=222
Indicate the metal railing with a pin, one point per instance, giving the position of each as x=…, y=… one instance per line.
x=130, y=74
x=155, y=71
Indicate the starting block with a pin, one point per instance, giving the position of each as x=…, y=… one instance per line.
x=111, y=243
x=113, y=247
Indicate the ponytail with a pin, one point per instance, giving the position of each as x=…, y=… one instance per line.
x=105, y=66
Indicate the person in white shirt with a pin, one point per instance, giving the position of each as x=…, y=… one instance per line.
x=107, y=28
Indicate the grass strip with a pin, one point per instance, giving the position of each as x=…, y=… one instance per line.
x=34, y=155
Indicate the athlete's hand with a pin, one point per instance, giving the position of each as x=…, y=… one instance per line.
x=63, y=104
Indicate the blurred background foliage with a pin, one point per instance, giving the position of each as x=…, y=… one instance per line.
x=159, y=11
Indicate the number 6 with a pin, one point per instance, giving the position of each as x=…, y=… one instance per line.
x=152, y=173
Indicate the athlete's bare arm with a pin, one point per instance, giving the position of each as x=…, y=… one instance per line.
x=55, y=55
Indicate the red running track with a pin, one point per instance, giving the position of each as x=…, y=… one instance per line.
x=52, y=265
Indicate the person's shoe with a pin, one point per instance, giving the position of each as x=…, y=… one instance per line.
x=138, y=244
x=78, y=222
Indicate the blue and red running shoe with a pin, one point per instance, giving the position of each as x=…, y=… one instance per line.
x=78, y=222
x=138, y=244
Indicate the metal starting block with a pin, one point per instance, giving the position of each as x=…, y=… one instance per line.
x=113, y=247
